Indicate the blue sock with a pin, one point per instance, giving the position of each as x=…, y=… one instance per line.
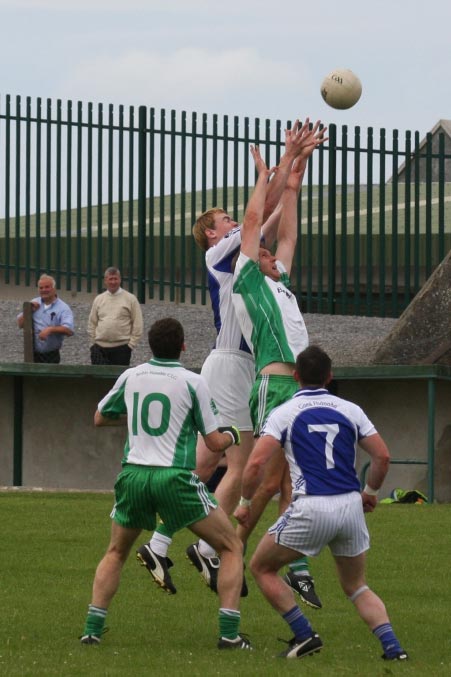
x=298, y=623
x=388, y=639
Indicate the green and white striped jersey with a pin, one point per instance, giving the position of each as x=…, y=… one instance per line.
x=166, y=406
x=268, y=313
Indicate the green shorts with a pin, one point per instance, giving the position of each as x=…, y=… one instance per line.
x=177, y=495
x=268, y=391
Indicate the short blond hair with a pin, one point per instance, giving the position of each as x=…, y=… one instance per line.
x=205, y=221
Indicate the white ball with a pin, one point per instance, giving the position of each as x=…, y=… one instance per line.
x=341, y=89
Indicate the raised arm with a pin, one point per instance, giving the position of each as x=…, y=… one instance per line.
x=288, y=227
x=253, y=216
x=295, y=141
x=271, y=226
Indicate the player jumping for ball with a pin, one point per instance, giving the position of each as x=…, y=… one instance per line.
x=272, y=324
x=229, y=369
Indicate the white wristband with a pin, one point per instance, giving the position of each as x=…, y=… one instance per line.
x=245, y=502
x=371, y=492
x=231, y=435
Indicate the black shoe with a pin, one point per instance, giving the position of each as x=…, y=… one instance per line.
x=304, y=586
x=158, y=568
x=400, y=656
x=207, y=566
x=241, y=642
x=90, y=639
x=298, y=648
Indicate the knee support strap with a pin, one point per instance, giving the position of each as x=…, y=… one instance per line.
x=358, y=592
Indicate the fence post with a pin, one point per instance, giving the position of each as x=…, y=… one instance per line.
x=141, y=284
x=18, y=431
x=27, y=332
x=332, y=220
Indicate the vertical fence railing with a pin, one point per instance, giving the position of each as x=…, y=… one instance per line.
x=332, y=220
x=84, y=187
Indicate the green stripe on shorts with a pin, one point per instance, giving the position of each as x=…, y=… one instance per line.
x=268, y=392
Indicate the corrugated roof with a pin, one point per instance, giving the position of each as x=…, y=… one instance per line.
x=441, y=125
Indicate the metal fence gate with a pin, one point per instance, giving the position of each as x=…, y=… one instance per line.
x=83, y=187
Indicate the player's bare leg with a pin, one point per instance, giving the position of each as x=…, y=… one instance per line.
x=351, y=572
x=108, y=573
x=370, y=607
x=203, y=554
x=228, y=490
x=217, y=530
x=106, y=581
x=265, y=564
x=277, y=479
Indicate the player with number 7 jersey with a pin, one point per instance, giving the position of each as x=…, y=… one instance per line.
x=319, y=433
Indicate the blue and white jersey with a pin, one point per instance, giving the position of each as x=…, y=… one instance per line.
x=219, y=262
x=319, y=433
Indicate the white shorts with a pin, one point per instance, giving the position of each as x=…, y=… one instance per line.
x=230, y=375
x=312, y=522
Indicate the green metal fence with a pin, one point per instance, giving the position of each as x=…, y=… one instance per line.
x=83, y=187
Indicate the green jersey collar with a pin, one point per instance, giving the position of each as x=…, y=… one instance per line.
x=163, y=361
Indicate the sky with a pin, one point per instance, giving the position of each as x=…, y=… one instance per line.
x=255, y=58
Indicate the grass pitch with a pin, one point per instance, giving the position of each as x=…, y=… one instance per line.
x=52, y=542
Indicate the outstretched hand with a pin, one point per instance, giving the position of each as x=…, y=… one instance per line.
x=301, y=140
x=311, y=138
x=260, y=164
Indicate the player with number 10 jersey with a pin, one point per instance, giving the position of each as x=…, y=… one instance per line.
x=163, y=423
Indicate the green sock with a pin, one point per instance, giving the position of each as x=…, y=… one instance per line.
x=300, y=567
x=95, y=621
x=229, y=623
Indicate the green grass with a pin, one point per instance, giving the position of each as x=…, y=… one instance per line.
x=51, y=544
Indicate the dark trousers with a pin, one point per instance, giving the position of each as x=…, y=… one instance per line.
x=52, y=357
x=119, y=355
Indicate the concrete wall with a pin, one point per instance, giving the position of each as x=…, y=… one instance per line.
x=61, y=446
x=63, y=449
x=6, y=429
x=399, y=410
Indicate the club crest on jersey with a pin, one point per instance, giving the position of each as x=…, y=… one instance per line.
x=213, y=406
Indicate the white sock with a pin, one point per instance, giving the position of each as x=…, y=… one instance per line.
x=160, y=544
x=206, y=550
